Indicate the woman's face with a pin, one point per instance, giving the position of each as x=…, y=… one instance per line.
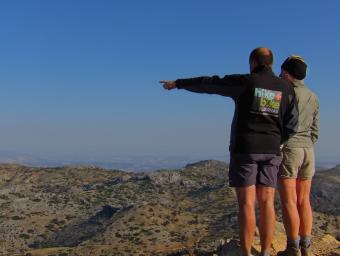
x=286, y=76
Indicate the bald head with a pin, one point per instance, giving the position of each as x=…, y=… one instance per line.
x=261, y=56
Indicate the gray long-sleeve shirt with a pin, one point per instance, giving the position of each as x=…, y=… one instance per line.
x=309, y=118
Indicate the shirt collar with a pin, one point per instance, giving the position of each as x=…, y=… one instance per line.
x=261, y=69
x=298, y=83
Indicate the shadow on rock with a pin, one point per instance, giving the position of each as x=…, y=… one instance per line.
x=231, y=248
x=76, y=233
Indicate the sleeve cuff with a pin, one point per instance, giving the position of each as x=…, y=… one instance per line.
x=178, y=84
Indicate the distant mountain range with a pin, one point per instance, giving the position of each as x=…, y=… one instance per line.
x=137, y=163
x=130, y=163
x=79, y=210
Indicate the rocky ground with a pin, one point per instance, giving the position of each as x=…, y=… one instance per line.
x=92, y=211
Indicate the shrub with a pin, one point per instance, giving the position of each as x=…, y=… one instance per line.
x=24, y=236
x=17, y=218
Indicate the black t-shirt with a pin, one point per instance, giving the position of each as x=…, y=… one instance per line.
x=265, y=108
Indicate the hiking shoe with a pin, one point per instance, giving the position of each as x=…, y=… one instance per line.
x=306, y=251
x=290, y=251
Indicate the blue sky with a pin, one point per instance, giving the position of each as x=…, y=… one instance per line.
x=80, y=78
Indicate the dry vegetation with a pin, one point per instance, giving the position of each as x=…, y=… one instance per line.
x=92, y=211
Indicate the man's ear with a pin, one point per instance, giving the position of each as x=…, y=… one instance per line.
x=252, y=65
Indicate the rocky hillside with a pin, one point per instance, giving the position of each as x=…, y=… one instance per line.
x=91, y=211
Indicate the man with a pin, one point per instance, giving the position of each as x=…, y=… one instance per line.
x=298, y=165
x=265, y=115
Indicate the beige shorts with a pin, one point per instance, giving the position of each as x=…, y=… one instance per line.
x=297, y=163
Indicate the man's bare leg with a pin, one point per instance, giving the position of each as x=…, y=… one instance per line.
x=303, y=187
x=246, y=200
x=290, y=214
x=265, y=197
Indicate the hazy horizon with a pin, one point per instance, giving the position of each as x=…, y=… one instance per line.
x=133, y=163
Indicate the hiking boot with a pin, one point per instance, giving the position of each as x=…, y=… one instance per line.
x=290, y=251
x=306, y=251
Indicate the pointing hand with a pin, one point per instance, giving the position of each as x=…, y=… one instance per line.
x=168, y=85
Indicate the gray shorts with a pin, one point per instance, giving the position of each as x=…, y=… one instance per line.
x=297, y=163
x=254, y=169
